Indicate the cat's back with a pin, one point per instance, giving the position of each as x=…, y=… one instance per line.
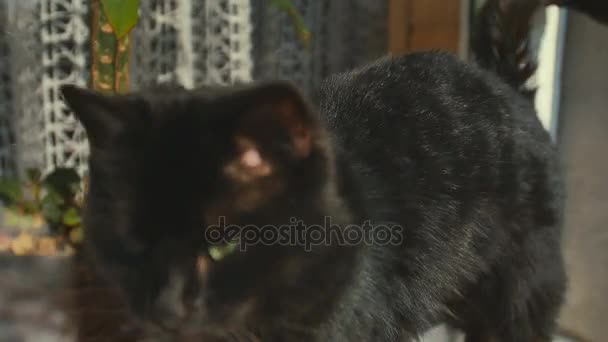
x=422, y=88
x=428, y=99
x=439, y=127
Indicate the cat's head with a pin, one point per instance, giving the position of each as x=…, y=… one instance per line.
x=168, y=164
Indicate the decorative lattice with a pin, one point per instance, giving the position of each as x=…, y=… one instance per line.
x=344, y=34
x=278, y=51
x=51, y=50
x=366, y=40
x=154, y=50
x=187, y=42
x=228, y=41
x=192, y=42
x=6, y=108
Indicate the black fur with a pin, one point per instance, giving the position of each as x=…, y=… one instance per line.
x=449, y=152
x=500, y=40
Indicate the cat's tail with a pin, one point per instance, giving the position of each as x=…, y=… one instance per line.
x=500, y=40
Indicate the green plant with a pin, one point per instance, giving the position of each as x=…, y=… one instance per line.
x=56, y=200
x=112, y=20
x=301, y=30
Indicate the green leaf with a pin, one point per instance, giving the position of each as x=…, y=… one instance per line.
x=30, y=207
x=64, y=181
x=283, y=4
x=71, y=217
x=10, y=191
x=51, y=207
x=121, y=14
x=25, y=222
x=11, y=218
x=298, y=22
x=219, y=252
x=33, y=175
x=301, y=30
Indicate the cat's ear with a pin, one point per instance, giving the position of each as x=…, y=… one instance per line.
x=278, y=111
x=101, y=115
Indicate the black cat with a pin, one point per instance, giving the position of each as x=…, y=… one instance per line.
x=448, y=159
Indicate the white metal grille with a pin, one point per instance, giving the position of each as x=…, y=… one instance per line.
x=228, y=42
x=344, y=34
x=6, y=108
x=154, y=52
x=49, y=50
x=192, y=42
x=187, y=42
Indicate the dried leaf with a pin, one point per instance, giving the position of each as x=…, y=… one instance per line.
x=23, y=245
x=5, y=243
x=76, y=235
x=47, y=246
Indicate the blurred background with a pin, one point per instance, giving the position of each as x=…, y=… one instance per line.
x=47, y=43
